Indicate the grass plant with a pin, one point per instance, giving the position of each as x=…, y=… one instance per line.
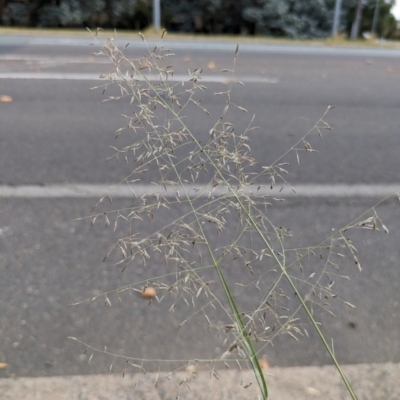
x=225, y=230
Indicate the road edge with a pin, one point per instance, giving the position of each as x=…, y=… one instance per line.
x=370, y=381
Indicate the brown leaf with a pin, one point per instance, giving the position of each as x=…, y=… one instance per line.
x=211, y=65
x=191, y=368
x=263, y=363
x=148, y=292
x=5, y=99
x=3, y=365
x=313, y=391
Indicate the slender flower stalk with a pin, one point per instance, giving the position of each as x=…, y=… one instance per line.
x=214, y=180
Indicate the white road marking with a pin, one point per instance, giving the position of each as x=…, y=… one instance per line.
x=61, y=60
x=97, y=77
x=81, y=190
x=50, y=76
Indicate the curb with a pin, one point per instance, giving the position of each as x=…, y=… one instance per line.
x=370, y=381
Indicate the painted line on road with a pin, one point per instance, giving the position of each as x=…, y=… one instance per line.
x=54, y=60
x=50, y=76
x=97, y=77
x=61, y=191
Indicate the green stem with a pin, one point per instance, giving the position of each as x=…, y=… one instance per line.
x=283, y=270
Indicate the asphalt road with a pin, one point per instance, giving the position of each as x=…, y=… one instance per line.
x=55, y=132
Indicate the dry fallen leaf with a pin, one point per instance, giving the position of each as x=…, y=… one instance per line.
x=313, y=391
x=3, y=365
x=211, y=65
x=148, y=292
x=191, y=368
x=5, y=99
x=263, y=363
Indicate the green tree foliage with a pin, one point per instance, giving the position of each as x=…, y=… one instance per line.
x=296, y=18
x=206, y=16
x=16, y=14
x=293, y=18
x=290, y=18
x=68, y=13
x=386, y=23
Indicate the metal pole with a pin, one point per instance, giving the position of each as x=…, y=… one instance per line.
x=376, y=17
x=356, y=24
x=336, y=17
x=156, y=15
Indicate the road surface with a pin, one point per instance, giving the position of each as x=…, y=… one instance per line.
x=55, y=138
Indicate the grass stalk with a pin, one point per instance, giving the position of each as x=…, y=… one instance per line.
x=252, y=355
x=159, y=144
